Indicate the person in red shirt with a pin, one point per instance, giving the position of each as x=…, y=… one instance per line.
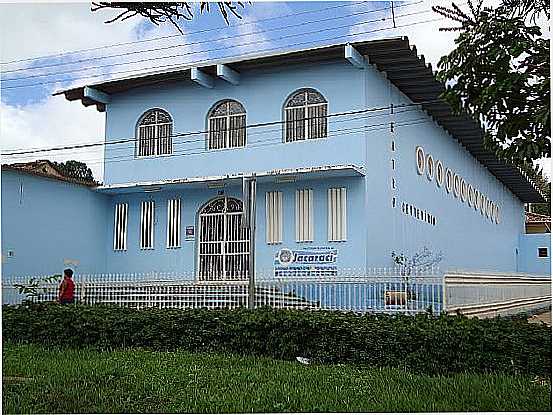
x=67, y=288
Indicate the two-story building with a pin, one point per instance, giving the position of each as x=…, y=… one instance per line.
x=354, y=153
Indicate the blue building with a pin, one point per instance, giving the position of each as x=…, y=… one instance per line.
x=354, y=153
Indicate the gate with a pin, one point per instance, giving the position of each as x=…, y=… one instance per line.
x=223, y=246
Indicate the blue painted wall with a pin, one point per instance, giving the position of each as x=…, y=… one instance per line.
x=528, y=254
x=262, y=93
x=50, y=221
x=467, y=239
x=183, y=259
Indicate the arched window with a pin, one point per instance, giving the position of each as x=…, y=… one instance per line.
x=226, y=125
x=154, y=133
x=305, y=115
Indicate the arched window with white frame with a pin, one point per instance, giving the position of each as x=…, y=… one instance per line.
x=154, y=133
x=305, y=113
x=226, y=125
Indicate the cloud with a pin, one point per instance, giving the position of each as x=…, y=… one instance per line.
x=51, y=123
x=32, y=30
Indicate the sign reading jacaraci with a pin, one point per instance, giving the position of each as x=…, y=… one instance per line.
x=308, y=262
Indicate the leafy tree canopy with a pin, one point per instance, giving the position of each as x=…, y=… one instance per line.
x=75, y=169
x=170, y=12
x=499, y=72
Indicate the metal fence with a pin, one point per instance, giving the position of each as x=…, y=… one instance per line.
x=381, y=290
x=388, y=290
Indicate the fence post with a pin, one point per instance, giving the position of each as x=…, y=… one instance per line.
x=83, y=288
x=444, y=294
x=248, y=222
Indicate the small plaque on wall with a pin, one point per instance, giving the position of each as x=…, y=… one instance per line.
x=189, y=233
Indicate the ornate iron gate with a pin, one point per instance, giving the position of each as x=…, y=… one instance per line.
x=223, y=246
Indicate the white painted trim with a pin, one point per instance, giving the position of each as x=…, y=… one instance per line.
x=358, y=171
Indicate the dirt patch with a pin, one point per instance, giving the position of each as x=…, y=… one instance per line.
x=541, y=318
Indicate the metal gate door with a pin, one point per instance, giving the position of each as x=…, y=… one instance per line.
x=224, y=247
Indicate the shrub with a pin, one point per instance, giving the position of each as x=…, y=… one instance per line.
x=421, y=343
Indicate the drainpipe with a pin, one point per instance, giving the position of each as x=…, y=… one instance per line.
x=249, y=187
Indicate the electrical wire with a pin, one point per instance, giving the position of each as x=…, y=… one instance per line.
x=265, y=143
x=142, y=73
x=77, y=51
x=22, y=151
x=119, y=55
x=151, y=59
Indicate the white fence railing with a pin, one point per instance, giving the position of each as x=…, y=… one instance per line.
x=488, y=294
x=381, y=290
x=385, y=290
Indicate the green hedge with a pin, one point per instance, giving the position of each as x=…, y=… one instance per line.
x=422, y=343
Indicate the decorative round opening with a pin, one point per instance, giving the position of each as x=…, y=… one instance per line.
x=420, y=159
x=464, y=190
x=430, y=167
x=456, y=185
x=448, y=180
x=439, y=173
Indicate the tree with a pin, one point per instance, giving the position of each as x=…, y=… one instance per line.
x=75, y=169
x=544, y=185
x=499, y=73
x=163, y=12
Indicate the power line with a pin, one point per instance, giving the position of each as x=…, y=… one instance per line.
x=249, y=135
x=186, y=141
x=265, y=143
x=19, y=78
x=193, y=133
x=143, y=73
x=177, y=35
x=196, y=43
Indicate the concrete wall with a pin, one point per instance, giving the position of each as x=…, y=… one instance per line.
x=47, y=221
x=465, y=237
x=529, y=262
x=263, y=94
x=351, y=253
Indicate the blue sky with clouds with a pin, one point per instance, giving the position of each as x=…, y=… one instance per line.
x=31, y=117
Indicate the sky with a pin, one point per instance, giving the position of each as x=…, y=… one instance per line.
x=46, y=48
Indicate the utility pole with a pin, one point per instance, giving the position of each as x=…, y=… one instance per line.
x=249, y=188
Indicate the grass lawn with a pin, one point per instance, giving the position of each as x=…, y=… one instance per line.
x=39, y=380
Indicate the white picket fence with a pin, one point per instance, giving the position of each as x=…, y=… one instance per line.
x=387, y=290
x=384, y=290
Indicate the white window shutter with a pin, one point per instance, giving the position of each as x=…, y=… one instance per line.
x=147, y=224
x=173, y=223
x=120, y=227
x=304, y=215
x=273, y=206
x=337, y=215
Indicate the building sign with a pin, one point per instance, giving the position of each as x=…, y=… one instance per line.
x=189, y=233
x=307, y=262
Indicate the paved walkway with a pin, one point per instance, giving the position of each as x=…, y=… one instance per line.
x=545, y=317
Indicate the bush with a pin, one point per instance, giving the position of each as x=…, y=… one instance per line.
x=421, y=343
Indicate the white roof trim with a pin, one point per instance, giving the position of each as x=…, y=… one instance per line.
x=358, y=171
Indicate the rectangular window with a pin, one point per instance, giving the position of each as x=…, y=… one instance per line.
x=147, y=224
x=273, y=206
x=120, y=227
x=173, y=223
x=542, y=252
x=337, y=223
x=295, y=124
x=155, y=139
x=304, y=215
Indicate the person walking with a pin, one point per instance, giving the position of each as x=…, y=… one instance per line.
x=67, y=288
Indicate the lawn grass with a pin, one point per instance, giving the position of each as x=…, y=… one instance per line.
x=40, y=380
